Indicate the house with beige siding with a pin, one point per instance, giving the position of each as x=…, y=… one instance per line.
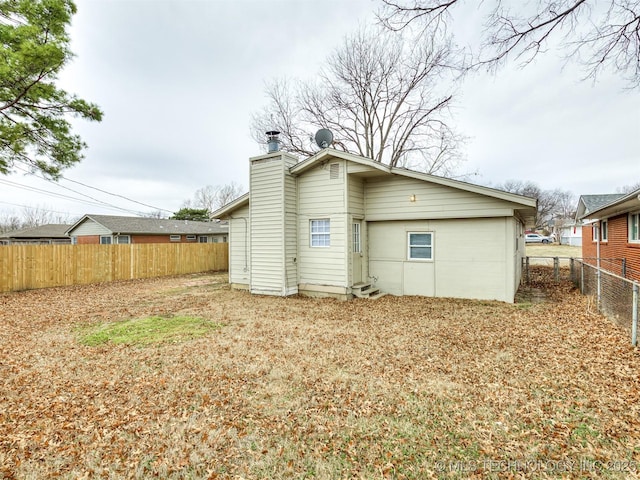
x=341, y=225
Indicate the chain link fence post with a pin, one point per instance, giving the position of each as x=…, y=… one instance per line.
x=634, y=321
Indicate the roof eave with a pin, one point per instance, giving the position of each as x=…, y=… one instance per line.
x=239, y=202
x=619, y=206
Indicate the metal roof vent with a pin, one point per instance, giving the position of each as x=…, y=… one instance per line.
x=273, y=141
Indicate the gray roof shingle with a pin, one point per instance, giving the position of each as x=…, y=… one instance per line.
x=52, y=230
x=156, y=226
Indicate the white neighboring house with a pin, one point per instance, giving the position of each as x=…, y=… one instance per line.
x=341, y=225
x=571, y=234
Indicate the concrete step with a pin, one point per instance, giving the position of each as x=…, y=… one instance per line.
x=377, y=296
x=365, y=290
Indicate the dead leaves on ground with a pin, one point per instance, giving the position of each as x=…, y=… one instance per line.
x=295, y=387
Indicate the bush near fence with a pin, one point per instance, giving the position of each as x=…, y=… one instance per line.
x=24, y=267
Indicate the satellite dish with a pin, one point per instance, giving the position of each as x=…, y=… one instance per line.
x=324, y=138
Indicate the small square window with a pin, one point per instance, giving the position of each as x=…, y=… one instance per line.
x=420, y=246
x=203, y=239
x=105, y=240
x=123, y=239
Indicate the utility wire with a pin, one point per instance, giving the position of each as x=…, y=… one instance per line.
x=97, y=203
x=99, y=190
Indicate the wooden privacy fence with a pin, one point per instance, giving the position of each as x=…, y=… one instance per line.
x=24, y=267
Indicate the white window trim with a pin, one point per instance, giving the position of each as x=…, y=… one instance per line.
x=629, y=221
x=313, y=234
x=409, y=257
x=604, y=231
x=118, y=237
x=175, y=238
x=105, y=237
x=203, y=239
x=191, y=238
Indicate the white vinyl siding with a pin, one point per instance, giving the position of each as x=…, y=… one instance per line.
x=239, y=247
x=273, y=225
x=89, y=227
x=291, y=233
x=321, y=197
x=267, y=212
x=388, y=198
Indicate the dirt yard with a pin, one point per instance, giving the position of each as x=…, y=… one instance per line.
x=300, y=388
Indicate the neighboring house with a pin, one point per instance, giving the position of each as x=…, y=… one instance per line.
x=336, y=223
x=42, y=235
x=590, y=203
x=613, y=228
x=570, y=233
x=108, y=229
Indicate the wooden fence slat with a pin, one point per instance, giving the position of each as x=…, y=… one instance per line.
x=24, y=267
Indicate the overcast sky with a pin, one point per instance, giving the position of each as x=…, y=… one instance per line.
x=178, y=81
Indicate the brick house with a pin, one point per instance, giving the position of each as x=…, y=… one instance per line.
x=50, y=234
x=111, y=229
x=614, y=226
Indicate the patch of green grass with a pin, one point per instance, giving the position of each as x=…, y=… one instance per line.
x=148, y=331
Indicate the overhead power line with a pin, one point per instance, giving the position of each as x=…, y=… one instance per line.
x=99, y=190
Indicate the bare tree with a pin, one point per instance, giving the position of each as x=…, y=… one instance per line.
x=227, y=193
x=9, y=222
x=35, y=216
x=211, y=197
x=600, y=35
x=552, y=204
x=380, y=96
x=628, y=188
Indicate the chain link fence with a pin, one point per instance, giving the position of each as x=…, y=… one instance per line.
x=614, y=295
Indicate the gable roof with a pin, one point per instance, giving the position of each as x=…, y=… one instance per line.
x=329, y=153
x=152, y=226
x=618, y=204
x=51, y=230
x=591, y=203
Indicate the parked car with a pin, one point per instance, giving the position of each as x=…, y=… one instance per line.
x=536, y=238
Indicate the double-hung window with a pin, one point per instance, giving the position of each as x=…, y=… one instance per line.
x=320, y=233
x=123, y=239
x=420, y=246
x=604, y=231
x=634, y=227
x=104, y=240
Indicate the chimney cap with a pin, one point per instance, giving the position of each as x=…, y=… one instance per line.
x=273, y=141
